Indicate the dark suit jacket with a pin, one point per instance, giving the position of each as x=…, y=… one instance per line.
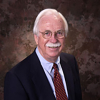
x=27, y=80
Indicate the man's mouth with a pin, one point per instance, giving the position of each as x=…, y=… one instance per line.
x=53, y=45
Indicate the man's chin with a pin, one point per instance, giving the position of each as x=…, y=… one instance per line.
x=53, y=54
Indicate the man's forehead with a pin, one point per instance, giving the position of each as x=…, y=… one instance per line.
x=47, y=18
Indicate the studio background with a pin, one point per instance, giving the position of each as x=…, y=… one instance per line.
x=83, y=40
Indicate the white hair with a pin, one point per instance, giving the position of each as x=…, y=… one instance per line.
x=48, y=12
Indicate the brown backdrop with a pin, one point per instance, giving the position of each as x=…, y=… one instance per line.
x=83, y=41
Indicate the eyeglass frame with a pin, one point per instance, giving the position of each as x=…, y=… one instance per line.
x=43, y=33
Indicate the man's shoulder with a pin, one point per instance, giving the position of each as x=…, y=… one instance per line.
x=66, y=56
x=23, y=65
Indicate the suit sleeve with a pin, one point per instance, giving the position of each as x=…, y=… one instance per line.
x=13, y=89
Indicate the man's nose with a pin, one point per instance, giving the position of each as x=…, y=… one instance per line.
x=53, y=38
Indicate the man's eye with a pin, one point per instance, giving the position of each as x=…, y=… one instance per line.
x=59, y=33
x=47, y=33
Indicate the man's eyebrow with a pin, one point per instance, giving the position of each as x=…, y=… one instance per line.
x=47, y=30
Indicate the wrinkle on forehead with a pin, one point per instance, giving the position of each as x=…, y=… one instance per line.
x=46, y=19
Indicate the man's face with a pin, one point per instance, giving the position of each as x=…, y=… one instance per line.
x=53, y=24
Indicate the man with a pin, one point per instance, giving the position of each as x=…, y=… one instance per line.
x=35, y=78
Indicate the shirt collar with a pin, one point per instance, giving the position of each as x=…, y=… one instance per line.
x=45, y=64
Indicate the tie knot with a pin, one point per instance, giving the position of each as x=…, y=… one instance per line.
x=55, y=66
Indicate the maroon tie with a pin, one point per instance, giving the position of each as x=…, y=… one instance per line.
x=59, y=88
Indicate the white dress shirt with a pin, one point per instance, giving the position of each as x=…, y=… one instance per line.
x=49, y=71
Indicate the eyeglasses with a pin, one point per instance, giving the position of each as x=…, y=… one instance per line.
x=59, y=34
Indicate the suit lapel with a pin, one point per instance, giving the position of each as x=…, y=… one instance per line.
x=43, y=88
x=69, y=79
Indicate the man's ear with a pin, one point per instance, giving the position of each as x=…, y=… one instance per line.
x=36, y=38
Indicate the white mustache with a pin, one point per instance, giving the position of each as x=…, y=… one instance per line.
x=53, y=45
